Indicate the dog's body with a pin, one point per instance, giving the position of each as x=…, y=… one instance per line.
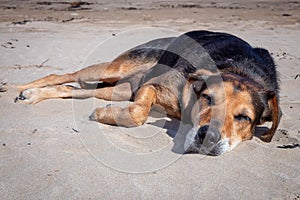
x=214, y=81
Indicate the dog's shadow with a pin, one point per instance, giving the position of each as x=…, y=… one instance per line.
x=176, y=130
x=261, y=130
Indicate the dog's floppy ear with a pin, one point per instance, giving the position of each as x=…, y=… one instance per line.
x=272, y=113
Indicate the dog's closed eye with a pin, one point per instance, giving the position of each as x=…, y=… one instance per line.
x=242, y=118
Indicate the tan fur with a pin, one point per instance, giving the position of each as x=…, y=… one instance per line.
x=227, y=104
x=134, y=115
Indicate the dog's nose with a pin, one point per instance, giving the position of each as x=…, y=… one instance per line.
x=207, y=137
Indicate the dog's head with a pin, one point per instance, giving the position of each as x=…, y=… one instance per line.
x=224, y=110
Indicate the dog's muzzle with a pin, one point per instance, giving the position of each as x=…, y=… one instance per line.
x=205, y=140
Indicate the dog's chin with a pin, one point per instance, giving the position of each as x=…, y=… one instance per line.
x=220, y=148
x=192, y=146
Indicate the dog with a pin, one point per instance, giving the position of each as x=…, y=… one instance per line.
x=214, y=81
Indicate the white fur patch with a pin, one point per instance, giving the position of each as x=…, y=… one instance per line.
x=223, y=146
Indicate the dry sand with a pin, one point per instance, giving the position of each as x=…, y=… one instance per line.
x=51, y=150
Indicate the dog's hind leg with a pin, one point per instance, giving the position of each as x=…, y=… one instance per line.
x=109, y=72
x=91, y=73
x=119, y=92
x=133, y=115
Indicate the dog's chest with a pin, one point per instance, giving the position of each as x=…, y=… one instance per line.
x=168, y=88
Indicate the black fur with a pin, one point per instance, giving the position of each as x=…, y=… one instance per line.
x=213, y=51
x=226, y=53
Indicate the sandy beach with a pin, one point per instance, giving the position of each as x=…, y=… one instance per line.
x=52, y=151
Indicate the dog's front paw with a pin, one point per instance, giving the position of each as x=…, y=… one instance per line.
x=92, y=116
x=29, y=96
x=97, y=114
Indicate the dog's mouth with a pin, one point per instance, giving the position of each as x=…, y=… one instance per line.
x=205, y=141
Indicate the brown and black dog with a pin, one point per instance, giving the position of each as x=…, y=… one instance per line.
x=214, y=81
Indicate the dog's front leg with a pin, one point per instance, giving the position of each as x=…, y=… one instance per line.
x=135, y=114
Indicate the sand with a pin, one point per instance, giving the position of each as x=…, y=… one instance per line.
x=51, y=151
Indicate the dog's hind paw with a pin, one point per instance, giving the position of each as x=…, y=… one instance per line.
x=29, y=96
